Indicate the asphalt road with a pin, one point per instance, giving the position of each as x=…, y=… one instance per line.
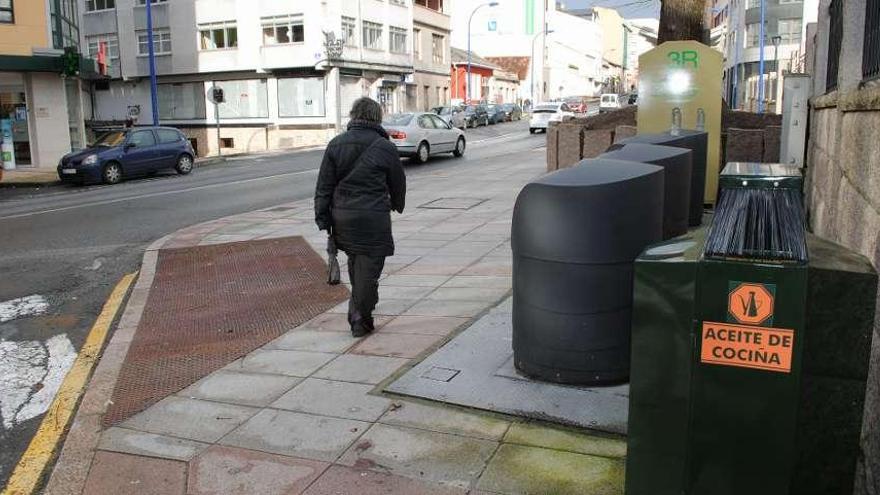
x=63, y=249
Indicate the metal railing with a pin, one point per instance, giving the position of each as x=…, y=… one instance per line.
x=871, y=51
x=835, y=35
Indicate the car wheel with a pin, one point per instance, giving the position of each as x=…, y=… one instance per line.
x=531, y=130
x=422, y=153
x=184, y=164
x=112, y=173
x=459, y=147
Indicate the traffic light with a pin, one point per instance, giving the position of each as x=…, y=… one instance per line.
x=70, y=61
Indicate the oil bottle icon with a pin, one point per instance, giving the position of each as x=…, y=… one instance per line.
x=750, y=308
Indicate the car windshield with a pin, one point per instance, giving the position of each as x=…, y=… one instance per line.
x=114, y=138
x=545, y=109
x=507, y=106
x=445, y=111
x=398, y=119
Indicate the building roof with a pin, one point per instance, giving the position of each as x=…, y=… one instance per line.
x=460, y=57
x=517, y=65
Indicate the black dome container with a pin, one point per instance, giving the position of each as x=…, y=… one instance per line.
x=698, y=143
x=575, y=235
x=676, y=163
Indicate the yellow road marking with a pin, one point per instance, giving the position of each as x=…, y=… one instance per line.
x=45, y=442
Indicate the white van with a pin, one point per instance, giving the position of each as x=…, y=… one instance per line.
x=608, y=102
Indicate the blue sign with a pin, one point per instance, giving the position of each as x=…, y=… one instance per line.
x=493, y=25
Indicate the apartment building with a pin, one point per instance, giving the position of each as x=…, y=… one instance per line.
x=785, y=23
x=40, y=109
x=431, y=55
x=269, y=56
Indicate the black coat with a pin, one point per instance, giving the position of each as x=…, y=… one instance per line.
x=361, y=180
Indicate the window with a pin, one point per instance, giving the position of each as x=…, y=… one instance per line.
x=6, y=11
x=437, y=49
x=227, y=143
x=64, y=19
x=372, y=35
x=144, y=2
x=753, y=4
x=790, y=31
x=218, y=35
x=835, y=33
x=398, y=2
x=431, y=4
x=349, y=28
x=142, y=139
x=438, y=122
x=169, y=136
x=871, y=49
x=161, y=42
x=283, y=29
x=245, y=99
x=301, y=97
x=425, y=122
x=181, y=101
x=753, y=34
x=417, y=44
x=111, y=40
x=397, y=40
x=95, y=5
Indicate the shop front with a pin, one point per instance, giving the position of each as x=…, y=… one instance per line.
x=16, y=145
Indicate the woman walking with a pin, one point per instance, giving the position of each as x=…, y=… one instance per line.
x=361, y=180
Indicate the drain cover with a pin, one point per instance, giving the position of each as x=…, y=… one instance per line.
x=453, y=203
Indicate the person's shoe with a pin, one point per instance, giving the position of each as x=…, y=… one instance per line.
x=370, y=324
x=359, y=329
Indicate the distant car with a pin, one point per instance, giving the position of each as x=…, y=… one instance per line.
x=512, y=111
x=609, y=102
x=577, y=104
x=128, y=153
x=452, y=115
x=496, y=114
x=476, y=115
x=544, y=113
x=422, y=134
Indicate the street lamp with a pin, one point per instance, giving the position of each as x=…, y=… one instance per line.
x=761, y=58
x=545, y=33
x=776, y=40
x=467, y=82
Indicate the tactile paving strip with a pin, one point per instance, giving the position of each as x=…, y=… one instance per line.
x=210, y=305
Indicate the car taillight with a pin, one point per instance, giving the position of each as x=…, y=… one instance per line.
x=397, y=134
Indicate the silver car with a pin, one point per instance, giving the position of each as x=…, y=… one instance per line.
x=453, y=115
x=422, y=134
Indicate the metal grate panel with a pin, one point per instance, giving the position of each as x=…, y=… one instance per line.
x=871, y=51
x=835, y=35
x=210, y=305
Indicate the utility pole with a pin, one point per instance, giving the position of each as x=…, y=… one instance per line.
x=467, y=82
x=681, y=20
x=154, y=97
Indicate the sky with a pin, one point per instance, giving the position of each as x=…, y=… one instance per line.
x=629, y=9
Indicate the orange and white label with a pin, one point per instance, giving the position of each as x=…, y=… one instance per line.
x=760, y=348
x=751, y=304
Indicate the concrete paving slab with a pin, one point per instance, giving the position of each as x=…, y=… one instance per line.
x=496, y=267
x=468, y=294
x=414, y=280
x=448, y=459
x=396, y=345
x=281, y=362
x=360, y=368
x=387, y=291
x=339, y=480
x=475, y=370
x=479, y=282
x=424, y=325
x=337, y=322
x=331, y=398
x=295, y=434
x=113, y=473
x=446, y=420
x=521, y=469
x=194, y=419
x=230, y=470
x=565, y=439
x=149, y=444
x=247, y=389
x=458, y=308
x=313, y=341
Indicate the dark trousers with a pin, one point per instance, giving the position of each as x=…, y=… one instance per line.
x=364, y=272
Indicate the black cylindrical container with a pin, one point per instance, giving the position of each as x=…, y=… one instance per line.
x=575, y=235
x=676, y=163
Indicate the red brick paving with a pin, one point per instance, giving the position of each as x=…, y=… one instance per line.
x=123, y=474
x=229, y=470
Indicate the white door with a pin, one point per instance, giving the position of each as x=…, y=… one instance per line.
x=350, y=89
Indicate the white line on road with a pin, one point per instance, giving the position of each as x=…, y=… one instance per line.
x=22, y=306
x=155, y=194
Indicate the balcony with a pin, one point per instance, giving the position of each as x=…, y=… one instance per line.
x=430, y=16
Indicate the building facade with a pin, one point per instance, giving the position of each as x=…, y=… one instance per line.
x=476, y=88
x=40, y=108
x=641, y=36
x=785, y=23
x=270, y=57
x=431, y=30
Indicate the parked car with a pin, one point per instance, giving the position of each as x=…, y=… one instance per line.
x=512, y=111
x=476, y=115
x=544, y=113
x=608, y=102
x=496, y=114
x=452, y=115
x=128, y=153
x=422, y=134
x=577, y=104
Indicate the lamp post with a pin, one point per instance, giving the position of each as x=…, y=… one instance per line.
x=776, y=40
x=467, y=82
x=545, y=32
x=154, y=98
x=761, y=60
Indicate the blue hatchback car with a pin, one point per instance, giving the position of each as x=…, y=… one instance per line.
x=128, y=153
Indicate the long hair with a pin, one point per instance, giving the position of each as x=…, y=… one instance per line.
x=366, y=109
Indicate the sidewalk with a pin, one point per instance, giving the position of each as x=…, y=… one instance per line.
x=305, y=412
x=44, y=176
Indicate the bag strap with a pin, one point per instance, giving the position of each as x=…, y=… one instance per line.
x=357, y=163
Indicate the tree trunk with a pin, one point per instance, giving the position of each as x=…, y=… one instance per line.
x=681, y=20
